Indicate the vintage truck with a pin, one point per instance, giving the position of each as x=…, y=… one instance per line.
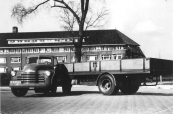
x=43, y=74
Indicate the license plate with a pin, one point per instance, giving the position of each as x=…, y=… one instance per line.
x=15, y=82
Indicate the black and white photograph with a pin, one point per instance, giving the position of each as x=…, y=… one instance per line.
x=86, y=57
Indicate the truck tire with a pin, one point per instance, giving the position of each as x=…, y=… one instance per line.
x=53, y=90
x=106, y=85
x=66, y=89
x=46, y=91
x=66, y=86
x=129, y=86
x=19, y=92
x=134, y=89
x=129, y=90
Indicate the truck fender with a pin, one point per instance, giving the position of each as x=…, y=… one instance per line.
x=53, y=75
x=103, y=74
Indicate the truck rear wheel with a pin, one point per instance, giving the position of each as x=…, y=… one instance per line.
x=129, y=90
x=19, y=92
x=106, y=85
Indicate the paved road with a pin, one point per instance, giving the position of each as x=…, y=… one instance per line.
x=88, y=100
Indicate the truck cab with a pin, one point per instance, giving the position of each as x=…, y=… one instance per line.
x=42, y=73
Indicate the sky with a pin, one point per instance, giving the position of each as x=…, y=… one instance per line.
x=148, y=22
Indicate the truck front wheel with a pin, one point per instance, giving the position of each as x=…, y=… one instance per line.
x=106, y=85
x=66, y=86
x=53, y=90
x=66, y=89
x=19, y=92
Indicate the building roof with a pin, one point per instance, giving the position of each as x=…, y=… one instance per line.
x=98, y=37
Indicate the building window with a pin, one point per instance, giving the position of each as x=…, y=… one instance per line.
x=70, y=40
x=58, y=40
x=98, y=48
x=62, y=59
x=2, y=70
x=62, y=40
x=48, y=50
x=117, y=56
x=15, y=60
x=61, y=49
x=76, y=40
x=72, y=49
x=55, y=50
x=106, y=57
x=110, y=48
x=3, y=60
x=67, y=49
x=91, y=57
x=85, y=49
x=30, y=50
x=26, y=41
x=16, y=68
x=6, y=51
x=105, y=48
x=24, y=50
x=119, y=48
x=1, y=51
x=92, y=48
x=73, y=59
x=10, y=42
x=42, y=50
x=12, y=51
x=36, y=50
x=18, y=50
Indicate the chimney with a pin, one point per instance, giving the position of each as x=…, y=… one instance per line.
x=15, y=29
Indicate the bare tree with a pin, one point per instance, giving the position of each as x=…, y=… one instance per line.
x=72, y=14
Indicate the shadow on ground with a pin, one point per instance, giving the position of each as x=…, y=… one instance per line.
x=154, y=94
x=77, y=93
x=58, y=94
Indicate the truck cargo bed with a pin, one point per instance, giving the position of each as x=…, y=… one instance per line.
x=150, y=66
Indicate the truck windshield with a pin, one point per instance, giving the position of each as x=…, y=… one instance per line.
x=40, y=60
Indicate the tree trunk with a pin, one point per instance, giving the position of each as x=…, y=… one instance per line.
x=78, y=54
x=78, y=46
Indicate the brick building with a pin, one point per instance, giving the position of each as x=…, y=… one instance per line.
x=97, y=45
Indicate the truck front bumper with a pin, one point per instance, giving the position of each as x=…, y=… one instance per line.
x=27, y=84
x=15, y=84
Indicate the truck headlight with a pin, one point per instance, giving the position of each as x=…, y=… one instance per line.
x=13, y=73
x=46, y=73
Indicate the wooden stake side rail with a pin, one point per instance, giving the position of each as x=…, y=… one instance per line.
x=125, y=66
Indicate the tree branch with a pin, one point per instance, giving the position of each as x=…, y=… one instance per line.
x=69, y=8
x=20, y=12
x=96, y=21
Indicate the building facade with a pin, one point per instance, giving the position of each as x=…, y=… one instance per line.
x=98, y=45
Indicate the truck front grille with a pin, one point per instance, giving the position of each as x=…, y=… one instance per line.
x=30, y=78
